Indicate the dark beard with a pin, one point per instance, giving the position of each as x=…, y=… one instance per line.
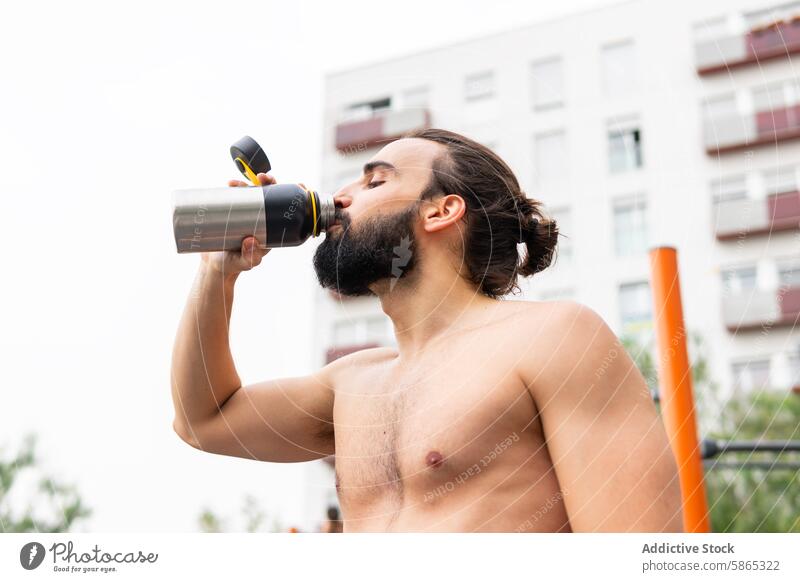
x=383, y=247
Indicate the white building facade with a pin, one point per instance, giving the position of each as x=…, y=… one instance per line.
x=639, y=124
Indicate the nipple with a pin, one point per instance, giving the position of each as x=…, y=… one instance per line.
x=434, y=459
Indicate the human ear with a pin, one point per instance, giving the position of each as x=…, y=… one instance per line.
x=443, y=212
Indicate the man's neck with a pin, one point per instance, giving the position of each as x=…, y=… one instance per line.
x=428, y=307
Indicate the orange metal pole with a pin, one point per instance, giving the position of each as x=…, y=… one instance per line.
x=675, y=385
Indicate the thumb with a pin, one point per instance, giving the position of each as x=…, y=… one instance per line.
x=265, y=179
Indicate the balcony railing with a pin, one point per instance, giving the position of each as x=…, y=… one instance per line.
x=740, y=218
x=758, y=309
x=779, y=39
x=726, y=134
x=358, y=135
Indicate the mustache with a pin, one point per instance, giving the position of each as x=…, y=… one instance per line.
x=342, y=218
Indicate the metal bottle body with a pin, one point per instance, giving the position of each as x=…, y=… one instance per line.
x=278, y=215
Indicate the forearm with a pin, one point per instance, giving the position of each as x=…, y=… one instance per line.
x=203, y=372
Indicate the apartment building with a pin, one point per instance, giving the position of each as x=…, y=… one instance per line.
x=638, y=124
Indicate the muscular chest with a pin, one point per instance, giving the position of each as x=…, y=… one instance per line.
x=416, y=435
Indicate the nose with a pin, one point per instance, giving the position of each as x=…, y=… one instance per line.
x=341, y=199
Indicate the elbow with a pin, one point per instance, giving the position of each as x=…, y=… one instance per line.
x=186, y=434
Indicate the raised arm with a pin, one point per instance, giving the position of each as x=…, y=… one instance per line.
x=284, y=420
x=607, y=442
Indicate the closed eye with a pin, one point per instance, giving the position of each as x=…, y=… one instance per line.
x=375, y=184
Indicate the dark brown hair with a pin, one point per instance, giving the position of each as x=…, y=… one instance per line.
x=499, y=214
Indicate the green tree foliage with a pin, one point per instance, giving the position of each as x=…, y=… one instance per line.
x=51, y=507
x=252, y=518
x=741, y=499
x=755, y=499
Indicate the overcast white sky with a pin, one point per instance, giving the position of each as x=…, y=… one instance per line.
x=106, y=108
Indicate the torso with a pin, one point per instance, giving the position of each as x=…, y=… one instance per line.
x=449, y=442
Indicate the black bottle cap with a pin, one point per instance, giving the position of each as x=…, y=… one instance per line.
x=248, y=150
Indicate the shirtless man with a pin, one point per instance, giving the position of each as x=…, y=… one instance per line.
x=490, y=415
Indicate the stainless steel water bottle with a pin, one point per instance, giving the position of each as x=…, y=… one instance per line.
x=278, y=215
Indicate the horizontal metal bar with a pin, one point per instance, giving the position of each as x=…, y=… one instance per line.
x=765, y=465
x=710, y=448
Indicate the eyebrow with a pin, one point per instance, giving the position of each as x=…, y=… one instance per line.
x=370, y=167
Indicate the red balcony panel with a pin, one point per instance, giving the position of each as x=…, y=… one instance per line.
x=337, y=352
x=382, y=127
x=765, y=41
x=772, y=122
x=790, y=305
x=761, y=42
x=362, y=133
x=791, y=31
x=784, y=210
x=777, y=125
x=776, y=40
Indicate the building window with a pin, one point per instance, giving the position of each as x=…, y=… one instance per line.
x=618, y=67
x=366, y=109
x=720, y=107
x=753, y=375
x=729, y=189
x=557, y=295
x=479, y=86
x=789, y=274
x=549, y=157
x=345, y=333
x=416, y=98
x=359, y=331
x=710, y=29
x=547, y=84
x=375, y=329
x=739, y=280
x=624, y=147
x=776, y=96
x=770, y=97
x=564, y=248
x=630, y=227
x=780, y=180
x=635, y=306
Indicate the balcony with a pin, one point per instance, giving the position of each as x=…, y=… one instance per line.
x=382, y=127
x=759, y=309
x=777, y=40
x=337, y=352
x=727, y=134
x=747, y=217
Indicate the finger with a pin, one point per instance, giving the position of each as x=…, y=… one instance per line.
x=303, y=186
x=246, y=255
x=236, y=183
x=265, y=179
x=252, y=245
x=252, y=253
x=248, y=244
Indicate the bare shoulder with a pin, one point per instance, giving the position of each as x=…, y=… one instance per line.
x=565, y=338
x=336, y=372
x=556, y=319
